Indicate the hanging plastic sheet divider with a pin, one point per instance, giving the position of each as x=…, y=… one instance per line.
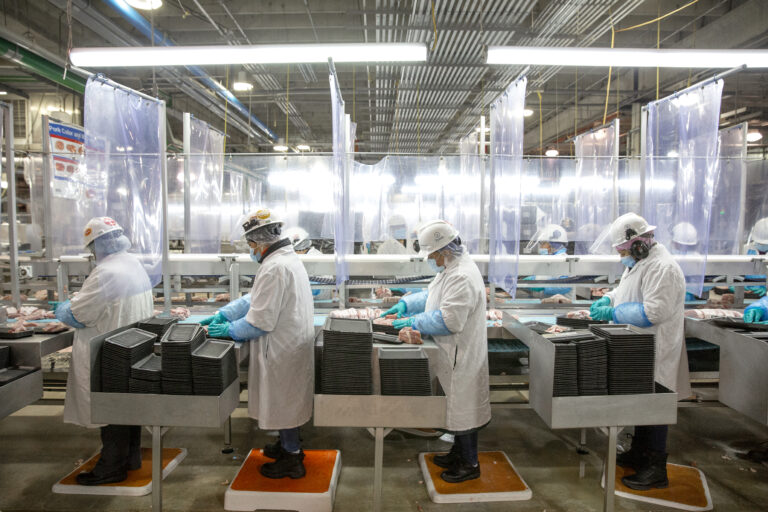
x=125, y=134
x=680, y=173
x=505, y=187
x=462, y=193
x=6, y=134
x=726, y=230
x=597, y=166
x=203, y=177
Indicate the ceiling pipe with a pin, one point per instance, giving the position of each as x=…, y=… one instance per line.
x=33, y=63
x=157, y=37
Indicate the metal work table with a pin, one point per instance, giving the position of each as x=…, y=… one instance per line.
x=156, y=411
x=743, y=361
x=611, y=411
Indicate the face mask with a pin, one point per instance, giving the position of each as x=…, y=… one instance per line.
x=255, y=256
x=628, y=261
x=543, y=252
x=434, y=266
x=761, y=247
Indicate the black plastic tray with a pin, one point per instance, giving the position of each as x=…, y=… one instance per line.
x=737, y=323
x=6, y=334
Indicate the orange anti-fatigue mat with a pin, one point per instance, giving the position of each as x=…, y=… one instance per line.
x=318, y=463
x=499, y=481
x=687, y=489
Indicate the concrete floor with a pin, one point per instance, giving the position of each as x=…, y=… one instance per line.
x=37, y=449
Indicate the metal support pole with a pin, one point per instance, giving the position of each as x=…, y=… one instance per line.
x=378, y=468
x=643, y=157
x=62, y=281
x=10, y=172
x=157, y=468
x=743, y=192
x=47, y=190
x=166, y=239
x=610, y=469
x=228, y=436
x=615, y=158
x=234, y=280
x=187, y=185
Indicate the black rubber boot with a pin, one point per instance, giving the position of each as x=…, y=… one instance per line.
x=111, y=467
x=633, y=458
x=273, y=450
x=651, y=475
x=461, y=472
x=448, y=460
x=287, y=464
x=101, y=474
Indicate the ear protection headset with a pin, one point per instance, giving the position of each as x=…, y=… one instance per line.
x=639, y=249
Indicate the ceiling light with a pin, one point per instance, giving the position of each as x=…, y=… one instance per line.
x=303, y=147
x=527, y=112
x=627, y=57
x=146, y=56
x=145, y=5
x=485, y=130
x=280, y=147
x=754, y=136
x=242, y=83
x=552, y=152
x=3, y=93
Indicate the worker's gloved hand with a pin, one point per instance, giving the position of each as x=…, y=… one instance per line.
x=601, y=302
x=54, y=304
x=601, y=313
x=218, y=318
x=757, y=290
x=753, y=315
x=398, y=309
x=405, y=322
x=219, y=330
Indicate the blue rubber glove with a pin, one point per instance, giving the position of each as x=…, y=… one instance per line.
x=757, y=290
x=602, y=301
x=218, y=318
x=753, y=315
x=601, y=313
x=54, y=304
x=398, y=309
x=64, y=315
x=219, y=330
x=405, y=322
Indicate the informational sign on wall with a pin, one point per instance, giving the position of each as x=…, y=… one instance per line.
x=67, y=160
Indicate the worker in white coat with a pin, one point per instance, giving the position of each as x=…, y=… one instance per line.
x=650, y=295
x=279, y=316
x=116, y=293
x=301, y=241
x=452, y=311
x=396, y=238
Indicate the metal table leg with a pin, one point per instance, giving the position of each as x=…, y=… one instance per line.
x=610, y=469
x=228, y=436
x=157, y=469
x=378, y=462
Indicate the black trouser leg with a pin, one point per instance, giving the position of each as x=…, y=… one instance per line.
x=651, y=438
x=115, y=448
x=468, y=444
x=134, y=453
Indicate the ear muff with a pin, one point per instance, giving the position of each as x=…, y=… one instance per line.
x=639, y=250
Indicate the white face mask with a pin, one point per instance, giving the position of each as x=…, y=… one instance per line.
x=434, y=266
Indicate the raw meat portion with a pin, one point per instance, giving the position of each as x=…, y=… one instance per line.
x=221, y=297
x=180, y=312
x=391, y=317
x=43, y=295
x=362, y=313
x=19, y=326
x=408, y=335
x=30, y=313
x=382, y=292
x=713, y=313
x=384, y=321
x=390, y=300
x=354, y=300
x=50, y=328
x=493, y=314
x=556, y=299
x=10, y=297
x=557, y=329
x=582, y=314
x=599, y=292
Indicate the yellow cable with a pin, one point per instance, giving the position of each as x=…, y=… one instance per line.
x=434, y=26
x=659, y=18
x=608, y=86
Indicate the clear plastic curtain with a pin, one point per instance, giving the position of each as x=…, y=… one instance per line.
x=343, y=228
x=462, y=192
x=680, y=174
x=125, y=153
x=233, y=205
x=756, y=203
x=506, y=166
x=725, y=227
x=369, y=189
x=175, y=167
x=206, y=173
x=597, y=165
x=547, y=194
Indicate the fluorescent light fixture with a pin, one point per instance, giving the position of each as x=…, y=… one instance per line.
x=280, y=147
x=626, y=57
x=145, y=56
x=242, y=86
x=145, y=5
x=551, y=152
x=303, y=147
x=527, y=112
x=3, y=93
x=754, y=136
x=485, y=130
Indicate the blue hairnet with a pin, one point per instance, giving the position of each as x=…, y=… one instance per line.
x=454, y=248
x=110, y=243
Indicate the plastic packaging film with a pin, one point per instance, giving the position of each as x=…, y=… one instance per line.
x=681, y=169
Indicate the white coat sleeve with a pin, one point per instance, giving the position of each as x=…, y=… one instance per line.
x=456, y=302
x=266, y=300
x=663, y=294
x=89, y=305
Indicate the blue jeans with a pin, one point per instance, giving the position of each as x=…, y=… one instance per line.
x=289, y=440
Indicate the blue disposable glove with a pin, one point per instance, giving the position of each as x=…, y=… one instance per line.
x=602, y=301
x=601, y=313
x=757, y=290
x=398, y=309
x=405, y=322
x=219, y=330
x=54, y=304
x=218, y=318
x=753, y=315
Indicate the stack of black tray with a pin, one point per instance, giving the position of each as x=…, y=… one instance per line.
x=13, y=373
x=177, y=346
x=565, y=374
x=214, y=367
x=404, y=372
x=347, y=350
x=577, y=323
x=738, y=323
x=120, y=352
x=538, y=327
x=631, y=359
x=386, y=329
x=158, y=325
x=146, y=376
x=592, y=366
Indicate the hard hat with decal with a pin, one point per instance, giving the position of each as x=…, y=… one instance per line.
x=628, y=227
x=435, y=235
x=97, y=227
x=259, y=219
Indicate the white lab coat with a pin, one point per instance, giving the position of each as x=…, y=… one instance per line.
x=281, y=376
x=658, y=282
x=459, y=293
x=115, y=294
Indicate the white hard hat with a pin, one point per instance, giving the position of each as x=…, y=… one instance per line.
x=435, y=235
x=628, y=227
x=259, y=219
x=298, y=237
x=549, y=233
x=97, y=227
x=684, y=233
x=759, y=232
